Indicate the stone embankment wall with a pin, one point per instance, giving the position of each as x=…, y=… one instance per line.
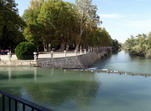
x=81, y=61
x=18, y=63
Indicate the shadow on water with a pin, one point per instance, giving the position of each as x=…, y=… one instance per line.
x=60, y=92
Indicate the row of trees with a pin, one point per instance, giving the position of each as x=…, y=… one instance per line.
x=59, y=24
x=139, y=45
x=52, y=24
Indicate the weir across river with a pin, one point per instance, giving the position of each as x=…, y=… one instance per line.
x=112, y=72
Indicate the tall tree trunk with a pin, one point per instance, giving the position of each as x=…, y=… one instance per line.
x=45, y=47
x=62, y=47
x=67, y=46
x=49, y=47
x=77, y=47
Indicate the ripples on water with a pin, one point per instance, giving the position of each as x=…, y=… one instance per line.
x=63, y=90
x=123, y=62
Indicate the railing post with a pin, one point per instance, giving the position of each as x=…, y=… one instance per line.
x=80, y=50
x=75, y=52
x=3, y=102
x=9, y=56
x=51, y=54
x=9, y=104
x=65, y=53
x=85, y=51
x=23, y=107
x=35, y=55
x=89, y=50
x=15, y=105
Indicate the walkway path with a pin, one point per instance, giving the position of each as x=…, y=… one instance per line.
x=44, y=55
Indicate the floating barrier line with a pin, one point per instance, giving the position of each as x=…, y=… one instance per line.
x=111, y=72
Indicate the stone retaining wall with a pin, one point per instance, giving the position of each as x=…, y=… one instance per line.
x=81, y=61
x=18, y=63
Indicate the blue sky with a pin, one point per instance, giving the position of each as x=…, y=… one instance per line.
x=121, y=18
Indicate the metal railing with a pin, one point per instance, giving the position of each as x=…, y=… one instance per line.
x=17, y=100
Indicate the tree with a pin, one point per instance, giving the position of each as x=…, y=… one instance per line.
x=88, y=19
x=139, y=45
x=100, y=38
x=115, y=46
x=64, y=25
x=32, y=31
x=11, y=24
x=58, y=20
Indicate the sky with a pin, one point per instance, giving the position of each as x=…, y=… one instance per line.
x=121, y=18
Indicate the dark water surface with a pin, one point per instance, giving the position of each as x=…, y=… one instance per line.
x=62, y=90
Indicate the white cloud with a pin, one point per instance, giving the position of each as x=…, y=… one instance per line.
x=110, y=16
x=146, y=24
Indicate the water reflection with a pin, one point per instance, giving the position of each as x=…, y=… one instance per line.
x=78, y=91
x=14, y=72
x=49, y=87
x=9, y=74
x=60, y=92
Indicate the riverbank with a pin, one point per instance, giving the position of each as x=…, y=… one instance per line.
x=69, y=60
x=5, y=61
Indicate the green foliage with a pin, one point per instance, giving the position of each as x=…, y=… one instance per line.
x=24, y=50
x=116, y=46
x=100, y=38
x=59, y=24
x=11, y=24
x=139, y=45
x=32, y=31
x=137, y=50
x=87, y=20
x=148, y=53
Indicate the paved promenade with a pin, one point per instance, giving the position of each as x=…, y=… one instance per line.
x=44, y=55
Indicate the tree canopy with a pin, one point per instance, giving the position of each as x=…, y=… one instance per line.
x=62, y=24
x=11, y=24
x=139, y=45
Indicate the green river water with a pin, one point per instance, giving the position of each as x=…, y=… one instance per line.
x=63, y=90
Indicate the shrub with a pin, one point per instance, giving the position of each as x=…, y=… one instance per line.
x=138, y=50
x=148, y=54
x=24, y=50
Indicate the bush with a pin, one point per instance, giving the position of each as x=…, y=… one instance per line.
x=148, y=54
x=24, y=50
x=138, y=50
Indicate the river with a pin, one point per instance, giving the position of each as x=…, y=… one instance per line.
x=63, y=90
x=123, y=62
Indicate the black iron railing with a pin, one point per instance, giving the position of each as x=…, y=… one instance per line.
x=10, y=98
